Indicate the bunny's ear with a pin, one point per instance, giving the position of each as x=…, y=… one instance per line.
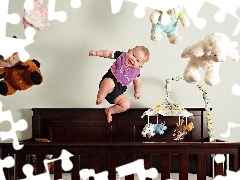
x=195, y=50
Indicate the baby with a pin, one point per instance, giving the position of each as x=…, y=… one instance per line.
x=124, y=71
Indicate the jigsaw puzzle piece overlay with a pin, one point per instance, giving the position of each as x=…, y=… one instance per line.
x=137, y=167
x=9, y=45
x=6, y=18
x=20, y=125
x=86, y=173
x=52, y=14
x=7, y=162
x=66, y=164
x=236, y=89
x=140, y=12
x=192, y=8
x=227, y=133
x=229, y=175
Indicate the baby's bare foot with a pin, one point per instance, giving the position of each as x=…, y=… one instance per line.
x=109, y=115
x=99, y=100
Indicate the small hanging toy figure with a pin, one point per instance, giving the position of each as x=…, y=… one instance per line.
x=171, y=29
x=148, y=130
x=35, y=18
x=180, y=131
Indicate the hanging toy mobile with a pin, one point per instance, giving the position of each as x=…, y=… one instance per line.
x=168, y=108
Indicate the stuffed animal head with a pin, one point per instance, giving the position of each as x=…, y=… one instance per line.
x=220, y=47
x=20, y=77
x=190, y=127
x=175, y=10
x=10, y=61
x=216, y=46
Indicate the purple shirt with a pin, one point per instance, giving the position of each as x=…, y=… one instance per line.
x=123, y=75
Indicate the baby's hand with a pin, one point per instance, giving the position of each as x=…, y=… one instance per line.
x=137, y=95
x=92, y=53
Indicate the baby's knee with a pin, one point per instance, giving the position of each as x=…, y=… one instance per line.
x=125, y=105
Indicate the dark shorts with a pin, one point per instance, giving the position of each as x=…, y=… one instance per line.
x=118, y=89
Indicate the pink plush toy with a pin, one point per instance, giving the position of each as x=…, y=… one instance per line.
x=35, y=18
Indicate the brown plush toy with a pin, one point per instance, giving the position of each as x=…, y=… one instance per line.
x=21, y=76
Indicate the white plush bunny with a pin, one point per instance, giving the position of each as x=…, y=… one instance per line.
x=208, y=54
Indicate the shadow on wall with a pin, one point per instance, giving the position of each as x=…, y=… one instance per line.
x=26, y=114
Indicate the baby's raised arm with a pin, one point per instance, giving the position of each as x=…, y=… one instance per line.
x=101, y=53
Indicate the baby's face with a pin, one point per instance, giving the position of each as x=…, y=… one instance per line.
x=135, y=58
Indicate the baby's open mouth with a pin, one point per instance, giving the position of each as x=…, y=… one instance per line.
x=129, y=62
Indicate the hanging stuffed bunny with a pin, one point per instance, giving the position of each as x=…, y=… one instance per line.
x=208, y=54
x=35, y=18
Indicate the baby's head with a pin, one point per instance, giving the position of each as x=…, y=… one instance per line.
x=137, y=56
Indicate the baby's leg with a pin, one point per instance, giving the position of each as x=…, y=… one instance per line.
x=106, y=86
x=121, y=104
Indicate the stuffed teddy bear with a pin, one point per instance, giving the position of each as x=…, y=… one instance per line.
x=171, y=29
x=208, y=54
x=35, y=18
x=20, y=77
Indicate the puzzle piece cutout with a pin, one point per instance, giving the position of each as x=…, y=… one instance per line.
x=8, y=45
x=86, y=173
x=227, y=133
x=20, y=125
x=52, y=14
x=227, y=7
x=236, y=89
x=137, y=167
x=140, y=12
x=66, y=164
x=36, y=17
x=229, y=176
x=219, y=158
x=7, y=162
x=192, y=8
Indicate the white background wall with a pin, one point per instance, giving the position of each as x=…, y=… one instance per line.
x=71, y=77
